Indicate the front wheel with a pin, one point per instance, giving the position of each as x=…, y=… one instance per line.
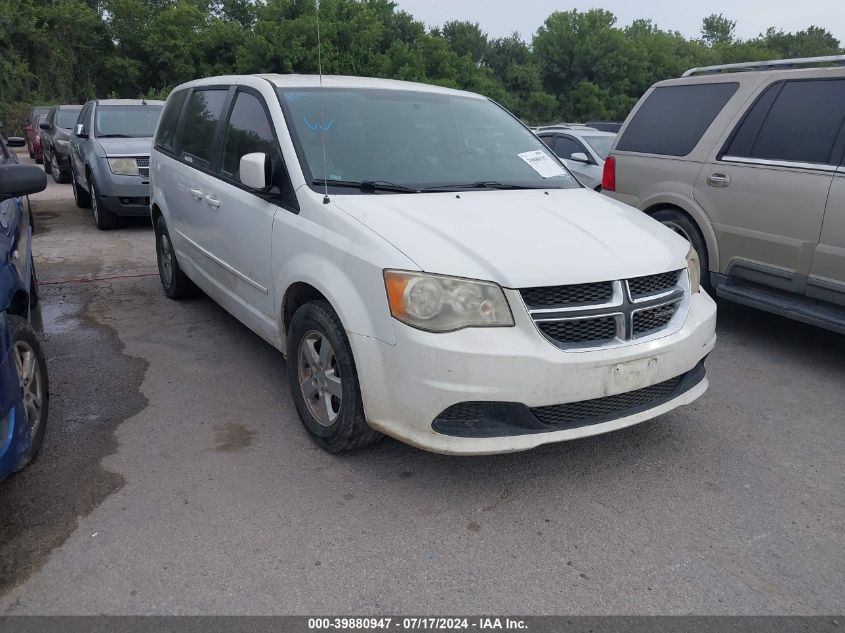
x=34, y=386
x=176, y=283
x=103, y=218
x=684, y=226
x=324, y=382
x=56, y=172
x=81, y=197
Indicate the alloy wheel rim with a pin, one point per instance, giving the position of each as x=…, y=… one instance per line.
x=319, y=378
x=29, y=375
x=166, y=259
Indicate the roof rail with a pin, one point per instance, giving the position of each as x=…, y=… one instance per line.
x=835, y=60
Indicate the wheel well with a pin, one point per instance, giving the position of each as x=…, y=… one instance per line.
x=297, y=296
x=19, y=304
x=155, y=213
x=671, y=207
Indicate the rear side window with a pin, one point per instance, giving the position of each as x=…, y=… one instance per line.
x=674, y=118
x=204, y=110
x=794, y=121
x=247, y=131
x=166, y=134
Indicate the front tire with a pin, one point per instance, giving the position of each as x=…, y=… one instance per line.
x=35, y=389
x=103, y=218
x=81, y=197
x=684, y=226
x=57, y=173
x=176, y=283
x=324, y=382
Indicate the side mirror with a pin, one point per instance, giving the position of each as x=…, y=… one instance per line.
x=15, y=141
x=80, y=131
x=579, y=157
x=21, y=180
x=253, y=170
x=44, y=125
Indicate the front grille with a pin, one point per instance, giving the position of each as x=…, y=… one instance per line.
x=652, y=284
x=606, y=313
x=577, y=294
x=653, y=319
x=607, y=408
x=581, y=330
x=143, y=166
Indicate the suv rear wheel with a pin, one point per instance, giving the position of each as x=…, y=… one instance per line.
x=175, y=283
x=684, y=226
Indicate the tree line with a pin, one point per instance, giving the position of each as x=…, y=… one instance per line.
x=576, y=66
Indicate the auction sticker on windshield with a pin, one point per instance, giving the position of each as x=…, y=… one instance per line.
x=542, y=163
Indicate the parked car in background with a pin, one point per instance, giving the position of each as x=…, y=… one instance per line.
x=460, y=295
x=749, y=167
x=55, y=139
x=37, y=150
x=582, y=149
x=606, y=126
x=24, y=389
x=33, y=132
x=110, y=156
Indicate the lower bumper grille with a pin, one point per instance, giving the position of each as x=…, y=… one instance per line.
x=504, y=419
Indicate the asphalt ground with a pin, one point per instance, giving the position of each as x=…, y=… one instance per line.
x=176, y=477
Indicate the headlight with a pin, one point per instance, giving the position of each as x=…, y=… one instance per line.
x=62, y=143
x=694, y=268
x=437, y=303
x=123, y=166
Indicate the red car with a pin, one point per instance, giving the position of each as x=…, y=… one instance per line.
x=33, y=136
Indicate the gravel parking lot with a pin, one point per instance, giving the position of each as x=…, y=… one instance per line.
x=176, y=477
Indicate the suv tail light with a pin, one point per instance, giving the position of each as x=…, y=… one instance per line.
x=608, y=176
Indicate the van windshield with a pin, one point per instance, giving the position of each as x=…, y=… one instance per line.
x=127, y=121
x=417, y=140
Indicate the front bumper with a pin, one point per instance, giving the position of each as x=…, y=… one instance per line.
x=406, y=386
x=124, y=195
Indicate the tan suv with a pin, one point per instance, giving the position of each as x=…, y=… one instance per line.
x=750, y=168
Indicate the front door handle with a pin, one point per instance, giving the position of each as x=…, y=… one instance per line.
x=196, y=193
x=718, y=180
x=210, y=199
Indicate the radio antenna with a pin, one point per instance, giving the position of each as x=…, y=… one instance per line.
x=326, y=199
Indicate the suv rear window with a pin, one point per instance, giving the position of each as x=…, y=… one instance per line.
x=673, y=118
x=794, y=121
x=166, y=134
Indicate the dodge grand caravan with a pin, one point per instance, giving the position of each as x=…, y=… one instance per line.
x=431, y=271
x=750, y=168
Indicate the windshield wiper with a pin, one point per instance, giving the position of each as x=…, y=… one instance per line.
x=481, y=184
x=367, y=185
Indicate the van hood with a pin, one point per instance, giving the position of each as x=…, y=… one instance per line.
x=522, y=238
x=126, y=146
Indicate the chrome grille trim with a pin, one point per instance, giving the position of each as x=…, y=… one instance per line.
x=638, y=318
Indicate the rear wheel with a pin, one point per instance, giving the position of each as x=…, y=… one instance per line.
x=103, y=218
x=684, y=226
x=324, y=382
x=176, y=283
x=34, y=387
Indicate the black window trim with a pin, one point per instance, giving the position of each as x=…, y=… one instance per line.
x=287, y=200
x=838, y=142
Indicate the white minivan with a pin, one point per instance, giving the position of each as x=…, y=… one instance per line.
x=430, y=269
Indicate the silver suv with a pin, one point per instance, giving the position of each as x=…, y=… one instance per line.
x=750, y=168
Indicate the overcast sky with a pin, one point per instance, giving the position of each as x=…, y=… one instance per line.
x=502, y=17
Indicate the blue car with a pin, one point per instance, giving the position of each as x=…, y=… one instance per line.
x=24, y=390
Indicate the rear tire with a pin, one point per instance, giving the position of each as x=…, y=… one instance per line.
x=103, y=218
x=684, y=226
x=321, y=367
x=34, y=384
x=175, y=283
